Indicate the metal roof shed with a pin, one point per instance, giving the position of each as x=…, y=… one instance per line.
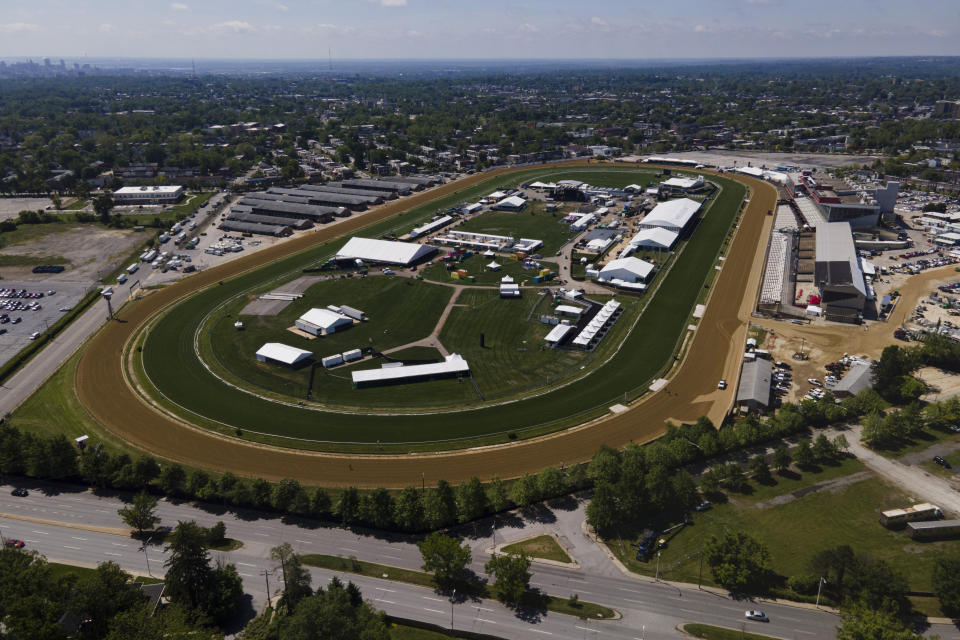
x=754, y=389
x=384, y=251
x=282, y=353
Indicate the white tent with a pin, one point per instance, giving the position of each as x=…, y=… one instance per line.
x=493, y=266
x=322, y=321
x=386, y=251
x=282, y=353
x=627, y=269
x=674, y=215
x=655, y=238
x=489, y=253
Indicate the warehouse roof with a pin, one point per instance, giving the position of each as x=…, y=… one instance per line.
x=384, y=251
x=312, y=211
x=254, y=227
x=373, y=197
x=755, y=382
x=454, y=363
x=242, y=216
x=324, y=318
x=282, y=353
x=158, y=190
x=837, y=262
x=683, y=183
x=512, y=202
x=558, y=333
x=859, y=377
x=640, y=268
x=323, y=197
x=672, y=214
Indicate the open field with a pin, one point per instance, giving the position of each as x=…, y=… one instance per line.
x=796, y=523
x=476, y=266
x=177, y=374
x=533, y=222
x=692, y=387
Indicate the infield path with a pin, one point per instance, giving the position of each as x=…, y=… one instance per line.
x=691, y=393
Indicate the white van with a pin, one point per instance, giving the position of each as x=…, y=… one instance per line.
x=133, y=268
x=121, y=278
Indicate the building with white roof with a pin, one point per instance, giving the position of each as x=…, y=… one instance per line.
x=837, y=273
x=683, y=185
x=282, y=353
x=384, y=251
x=512, y=203
x=322, y=322
x=673, y=215
x=627, y=269
x=558, y=333
x=396, y=373
x=164, y=194
x=654, y=238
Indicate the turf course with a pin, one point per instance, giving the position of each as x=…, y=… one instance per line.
x=172, y=367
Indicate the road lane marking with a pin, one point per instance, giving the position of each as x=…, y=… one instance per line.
x=43, y=533
x=584, y=628
x=548, y=633
x=348, y=549
x=487, y=621
x=435, y=611
x=265, y=535
x=244, y=574
x=809, y=633
x=392, y=557
x=483, y=609
x=304, y=541
x=385, y=589
x=434, y=599
x=247, y=564
x=74, y=548
x=636, y=601
x=76, y=538
x=387, y=601
x=118, y=544
x=113, y=554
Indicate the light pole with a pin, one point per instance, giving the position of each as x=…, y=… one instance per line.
x=266, y=575
x=147, y=557
x=658, y=567
x=107, y=294
x=819, y=589
x=452, y=598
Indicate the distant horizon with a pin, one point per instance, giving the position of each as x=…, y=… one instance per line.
x=435, y=29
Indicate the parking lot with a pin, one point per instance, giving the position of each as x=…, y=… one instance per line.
x=22, y=315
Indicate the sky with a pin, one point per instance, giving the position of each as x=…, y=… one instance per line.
x=456, y=29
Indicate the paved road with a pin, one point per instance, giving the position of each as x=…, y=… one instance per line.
x=923, y=485
x=649, y=607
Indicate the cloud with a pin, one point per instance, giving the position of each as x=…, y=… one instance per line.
x=179, y=6
x=393, y=3
x=760, y=1
x=107, y=28
x=700, y=28
x=413, y=34
x=273, y=4
x=17, y=27
x=529, y=28
x=237, y=26
x=600, y=22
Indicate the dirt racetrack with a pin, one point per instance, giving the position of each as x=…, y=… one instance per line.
x=102, y=387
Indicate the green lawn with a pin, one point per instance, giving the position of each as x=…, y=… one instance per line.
x=179, y=375
x=27, y=233
x=63, y=570
x=545, y=547
x=926, y=438
x=533, y=222
x=76, y=205
x=797, y=529
x=550, y=603
x=399, y=311
x=709, y=632
x=476, y=266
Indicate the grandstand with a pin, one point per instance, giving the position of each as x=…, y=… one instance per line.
x=771, y=291
x=809, y=212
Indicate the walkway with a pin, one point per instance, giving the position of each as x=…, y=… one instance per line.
x=433, y=340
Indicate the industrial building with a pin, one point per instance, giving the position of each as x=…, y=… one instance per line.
x=859, y=377
x=673, y=215
x=322, y=322
x=454, y=366
x=837, y=273
x=294, y=223
x=511, y=203
x=397, y=188
x=312, y=212
x=277, y=230
x=167, y=194
x=326, y=199
x=838, y=201
x=374, y=197
x=753, y=392
x=384, y=251
x=654, y=238
x=682, y=185
x=282, y=353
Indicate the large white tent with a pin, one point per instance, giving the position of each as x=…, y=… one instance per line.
x=453, y=365
x=627, y=269
x=674, y=215
x=655, y=238
x=321, y=322
x=384, y=251
x=282, y=353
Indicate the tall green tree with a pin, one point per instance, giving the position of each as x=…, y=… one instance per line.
x=103, y=205
x=334, y=613
x=142, y=513
x=512, y=573
x=188, y=574
x=739, y=562
x=471, y=500
x=945, y=579
x=348, y=506
x=409, y=510
x=445, y=558
x=296, y=577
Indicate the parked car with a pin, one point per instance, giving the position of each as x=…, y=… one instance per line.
x=703, y=506
x=756, y=615
x=940, y=461
x=20, y=492
x=815, y=382
x=13, y=542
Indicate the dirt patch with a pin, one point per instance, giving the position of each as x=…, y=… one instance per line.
x=943, y=384
x=91, y=251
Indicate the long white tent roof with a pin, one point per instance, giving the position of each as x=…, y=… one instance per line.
x=672, y=214
x=454, y=363
x=324, y=318
x=282, y=353
x=640, y=268
x=383, y=250
x=655, y=237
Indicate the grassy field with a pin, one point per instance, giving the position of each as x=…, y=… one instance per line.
x=476, y=266
x=550, y=603
x=7, y=260
x=533, y=222
x=63, y=570
x=179, y=375
x=77, y=205
x=709, y=632
x=27, y=233
x=544, y=547
x=796, y=524
x=399, y=311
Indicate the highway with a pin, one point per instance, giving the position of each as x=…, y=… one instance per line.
x=650, y=609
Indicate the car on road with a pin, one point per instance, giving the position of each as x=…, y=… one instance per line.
x=940, y=461
x=34, y=335
x=20, y=492
x=13, y=542
x=51, y=292
x=722, y=385
x=17, y=320
x=760, y=616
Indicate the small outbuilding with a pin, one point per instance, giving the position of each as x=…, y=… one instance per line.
x=753, y=393
x=282, y=353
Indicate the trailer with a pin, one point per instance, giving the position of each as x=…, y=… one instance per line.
x=900, y=517
x=353, y=354
x=332, y=361
x=935, y=530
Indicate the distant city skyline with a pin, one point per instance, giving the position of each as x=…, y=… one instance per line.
x=455, y=29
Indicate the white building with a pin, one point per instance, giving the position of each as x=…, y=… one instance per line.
x=627, y=269
x=654, y=238
x=673, y=215
x=282, y=353
x=513, y=203
x=167, y=194
x=322, y=322
x=396, y=373
x=683, y=185
x=384, y=251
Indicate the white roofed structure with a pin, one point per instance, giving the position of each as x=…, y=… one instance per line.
x=558, y=333
x=282, y=353
x=453, y=366
x=512, y=203
x=321, y=322
x=627, y=269
x=673, y=215
x=655, y=238
x=385, y=251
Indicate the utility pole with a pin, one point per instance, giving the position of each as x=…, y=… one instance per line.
x=266, y=575
x=658, y=567
x=819, y=589
x=452, y=598
x=700, y=575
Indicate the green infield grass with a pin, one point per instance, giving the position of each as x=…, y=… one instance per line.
x=169, y=359
x=476, y=266
x=533, y=222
